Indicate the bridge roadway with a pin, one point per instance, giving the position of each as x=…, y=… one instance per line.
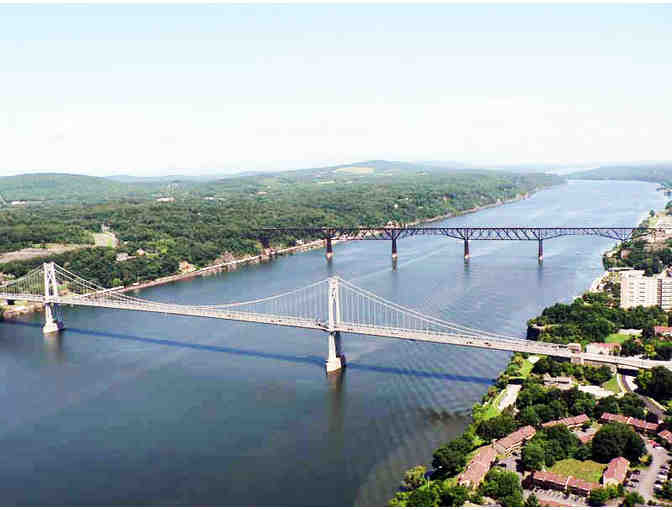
x=481, y=342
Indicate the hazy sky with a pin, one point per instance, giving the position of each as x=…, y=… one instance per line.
x=147, y=89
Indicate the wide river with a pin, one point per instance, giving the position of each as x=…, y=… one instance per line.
x=135, y=408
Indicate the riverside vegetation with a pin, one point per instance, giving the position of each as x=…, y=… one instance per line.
x=207, y=221
x=589, y=318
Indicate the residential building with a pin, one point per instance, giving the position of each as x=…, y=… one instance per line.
x=616, y=471
x=478, y=467
x=584, y=437
x=662, y=330
x=548, y=480
x=554, y=481
x=571, y=423
x=597, y=348
x=666, y=436
x=581, y=487
x=637, y=289
x=515, y=440
x=642, y=426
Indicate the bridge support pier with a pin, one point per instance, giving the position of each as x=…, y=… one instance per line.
x=53, y=322
x=466, y=249
x=394, y=249
x=336, y=359
x=541, y=251
x=330, y=249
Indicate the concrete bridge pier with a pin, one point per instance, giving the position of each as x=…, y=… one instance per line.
x=541, y=251
x=53, y=319
x=394, y=249
x=466, y=249
x=336, y=359
x=330, y=249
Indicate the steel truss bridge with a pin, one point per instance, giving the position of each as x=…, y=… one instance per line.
x=466, y=234
x=333, y=306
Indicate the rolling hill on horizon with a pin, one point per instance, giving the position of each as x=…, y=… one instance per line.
x=50, y=188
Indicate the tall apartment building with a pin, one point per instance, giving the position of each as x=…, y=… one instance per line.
x=637, y=289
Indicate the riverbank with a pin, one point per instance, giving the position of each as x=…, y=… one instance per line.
x=11, y=311
x=271, y=253
x=502, y=395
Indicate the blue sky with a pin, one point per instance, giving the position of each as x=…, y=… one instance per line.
x=201, y=88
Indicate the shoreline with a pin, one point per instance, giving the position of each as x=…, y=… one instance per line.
x=271, y=253
x=492, y=401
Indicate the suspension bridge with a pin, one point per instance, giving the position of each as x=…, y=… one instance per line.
x=332, y=305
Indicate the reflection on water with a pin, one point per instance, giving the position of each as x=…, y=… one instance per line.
x=53, y=348
x=137, y=408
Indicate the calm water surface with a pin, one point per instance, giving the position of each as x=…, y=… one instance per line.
x=133, y=408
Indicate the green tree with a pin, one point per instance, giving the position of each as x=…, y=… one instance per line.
x=426, y=495
x=615, y=440
x=533, y=456
x=633, y=498
x=598, y=497
x=414, y=477
x=532, y=501
x=400, y=499
x=453, y=495
x=449, y=459
x=497, y=427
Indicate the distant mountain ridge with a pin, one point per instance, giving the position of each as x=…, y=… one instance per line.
x=650, y=172
x=55, y=187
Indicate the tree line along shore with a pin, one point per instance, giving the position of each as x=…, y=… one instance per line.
x=163, y=239
x=573, y=421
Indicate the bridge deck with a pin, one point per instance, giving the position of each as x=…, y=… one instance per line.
x=481, y=342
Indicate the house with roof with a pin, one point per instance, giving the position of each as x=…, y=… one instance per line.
x=478, y=467
x=554, y=481
x=581, y=487
x=666, y=436
x=641, y=426
x=584, y=437
x=616, y=471
x=515, y=440
x=571, y=423
x=662, y=330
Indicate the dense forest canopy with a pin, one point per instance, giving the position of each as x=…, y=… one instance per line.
x=223, y=217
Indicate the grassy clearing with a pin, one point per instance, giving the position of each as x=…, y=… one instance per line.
x=616, y=338
x=526, y=368
x=107, y=240
x=360, y=170
x=587, y=470
x=492, y=408
x=612, y=385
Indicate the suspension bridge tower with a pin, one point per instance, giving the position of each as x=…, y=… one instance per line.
x=336, y=359
x=53, y=316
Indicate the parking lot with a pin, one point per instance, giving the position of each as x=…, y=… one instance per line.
x=653, y=476
x=557, y=496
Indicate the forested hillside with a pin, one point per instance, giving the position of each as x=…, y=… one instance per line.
x=223, y=219
x=66, y=188
x=661, y=173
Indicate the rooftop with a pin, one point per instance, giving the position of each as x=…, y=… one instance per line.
x=569, y=422
x=516, y=437
x=616, y=469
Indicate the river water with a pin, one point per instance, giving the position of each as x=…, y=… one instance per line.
x=133, y=408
